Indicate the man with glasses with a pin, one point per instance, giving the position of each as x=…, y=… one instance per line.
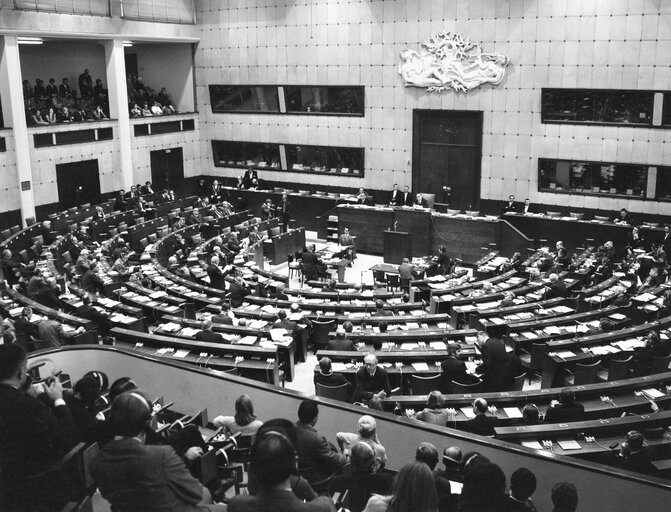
x=371, y=381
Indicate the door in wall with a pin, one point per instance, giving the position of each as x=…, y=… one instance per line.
x=78, y=183
x=447, y=152
x=167, y=169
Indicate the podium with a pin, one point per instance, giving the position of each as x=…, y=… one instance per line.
x=397, y=245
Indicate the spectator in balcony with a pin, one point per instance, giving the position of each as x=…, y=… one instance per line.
x=484, y=488
x=564, y=497
x=38, y=119
x=244, y=420
x=79, y=113
x=51, y=90
x=413, y=489
x=164, y=100
x=39, y=92
x=522, y=486
x=98, y=114
x=366, y=433
x=65, y=116
x=50, y=118
x=428, y=454
x=135, y=111
x=85, y=84
x=99, y=93
x=146, y=112
x=156, y=109
x=27, y=93
x=65, y=91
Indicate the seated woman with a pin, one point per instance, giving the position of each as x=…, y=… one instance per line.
x=135, y=111
x=244, y=420
x=38, y=119
x=435, y=413
x=51, y=116
x=98, y=114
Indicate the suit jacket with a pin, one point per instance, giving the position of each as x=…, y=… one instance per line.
x=287, y=324
x=101, y=321
x=396, y=198
x=278, y=501
x=238, y=294
x=421, y=202
x=557, y=289
x=222, y=319
x=565, y=413
x=482, y=425
x=209, y=336
x=317, y=458
x=405, y=271
x=32, y=437
x=249, y=177
x=367, y=385
x=455, y=370
x=361, y=486
x=510, y=207
x=52, y=331
x=135, y=477
x=346, y=240
x=495, y=369
x=407, y=199
x=24, y=327
x=50, y=297
x=216, y=276
x=341, y=344
x=92, y=283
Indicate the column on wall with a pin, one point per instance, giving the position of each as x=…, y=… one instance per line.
x=118, y=101
x=15, y=116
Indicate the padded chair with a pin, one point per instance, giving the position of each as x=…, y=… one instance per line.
x=473, y=213
x=30, y=221
x=458, y=388
x=518, y=383
x=453, y=212
x=393, y=282
x=320, y=332
x=578, y=216
x=379, y=276
x=533, y=361
x=583, y=374
x=340, y=392
x=41, y=344
x=554, y=215
x=6, y=233
x=15, y=229
x=660, y=364
x=618, y=369
x=275, y=231
x=601, y=218
x=422, y=385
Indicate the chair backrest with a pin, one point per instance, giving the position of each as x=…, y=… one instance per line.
x=144, y=242
x=453, y=212
x=41, y=344
x=554, y=215
x=459, y=388
x=601, y=218
x=578, y=216
x=393, y=280
x=518, y=382
x=660, y=364
x=275, y=231
x=333, y=392
x=430, y=199
x=618, y=369
x=15, y=229
x=30, y=221
x=538, y=353
x=321, y=329
x=380, y=276
x=473, y=213
x=585, y=373
x=422, y=385
x=6, y=233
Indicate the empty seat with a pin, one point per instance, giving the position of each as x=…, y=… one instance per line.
x=320, y=332
x=340, y=392
x=15, y=229
x=578, y=216
x=459, y=388
x=601, y=218
x=660, y=364
x=423, y=385
x=554, y=215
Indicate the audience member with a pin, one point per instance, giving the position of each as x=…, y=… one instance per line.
x=33, y=437
x=82, y=403
x=317, y=458
x=366, y=433
x=134, y=476
x=484, y=488
x=244, y=420
x=522, y=487
x=451, y=464
x=414, y=489
x=564, y=497
x=428, y=454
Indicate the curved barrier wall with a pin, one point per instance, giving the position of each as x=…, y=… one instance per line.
x=600, y=488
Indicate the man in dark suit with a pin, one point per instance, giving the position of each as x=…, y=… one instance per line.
x=526, y=207
x=371, y=381
x=250, y=177
x=100, y=320
x=238, y=291
x=215, y=192
x=216, y=274
x=222, y=317
x=624, y=217
x=556, y=288
x=428, y=454
x=420, y=201
x=340, y=342
x=134, y=476
x=33, y=437
x=50, y=295
x=633, y=456
x=510, y=206
x=482, y=424
x=495, y=370
x=91, y=282
x=279, y=294
x=23, y=327
x=666, y=241
x=396, y=198
x=454, y=370
x=208, y=335
x=379, y=309
x=310, y=261
x=326, y=377
x=317, y=458
x=407, y=199
x=283, y=322
x=566, y=410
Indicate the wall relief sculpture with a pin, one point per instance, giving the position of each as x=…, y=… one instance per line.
x=448, y=61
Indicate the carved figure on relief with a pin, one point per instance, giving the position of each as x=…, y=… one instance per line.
x=449, y=61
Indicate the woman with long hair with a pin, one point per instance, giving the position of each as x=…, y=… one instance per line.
x=243, y=421
x=414, y=490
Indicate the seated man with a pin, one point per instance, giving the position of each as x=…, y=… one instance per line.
x=454, y=369
x=482, y=424
x=279, y=294
x=326, y=377
x=366, y=433
x=33, y=437
x=564, y=497
x=238, y=290
x=225, y=316
x=283, y=322
x=317, y=458
x=633, y=456
x=100, y=320
x=208, y=335
x=347, y=240
x=52, y=331
x=91, y=282
x=420, y=202
x=566, y=410
x=134, y=476
x=273, y=484
x=371, y=381
x=428, y=454
x=340, y=342
x=379, y=309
